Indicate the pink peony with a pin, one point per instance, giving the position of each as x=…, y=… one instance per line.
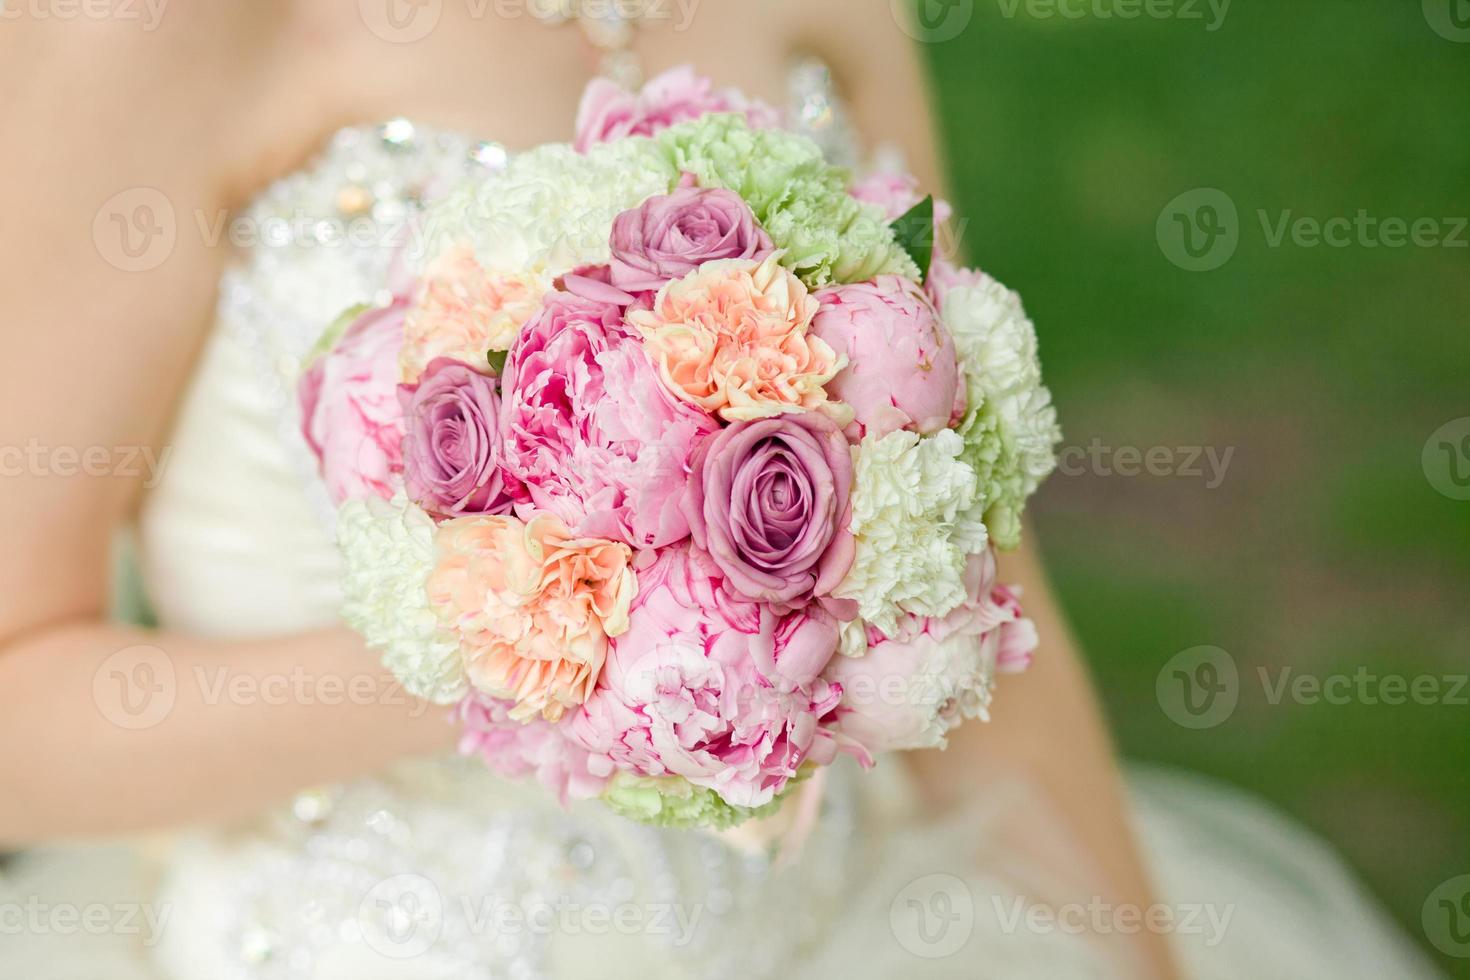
x=708, y=686
x=533, y=608
x=944, y=275
x=350, y=414
x=768, y=502
x=902, y=369
x=893, y=191
x=536, y=748
x=897, y=193
x=670, y=236
x=452, y=449
x=910, y=690
x=610, y=112
x=589, y=430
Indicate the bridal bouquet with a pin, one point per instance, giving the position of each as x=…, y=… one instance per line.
x=677, y=461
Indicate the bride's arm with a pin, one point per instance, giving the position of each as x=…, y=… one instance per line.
x=1047, y=731
x=94, y=360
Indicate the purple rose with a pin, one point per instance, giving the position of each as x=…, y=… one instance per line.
x=670, y=236
x=768, y=502
x=451, y=451
x=902, y=368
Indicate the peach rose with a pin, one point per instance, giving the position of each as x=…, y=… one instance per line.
x=733, y=338
x=462, y=311
x=533, y=607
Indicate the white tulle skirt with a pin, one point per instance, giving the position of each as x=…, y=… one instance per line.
x=1241, y=893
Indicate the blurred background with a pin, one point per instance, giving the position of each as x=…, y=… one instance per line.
x=1268, y=443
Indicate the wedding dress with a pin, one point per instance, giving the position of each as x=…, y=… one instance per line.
x=440, y=871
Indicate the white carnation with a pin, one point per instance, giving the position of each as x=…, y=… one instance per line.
x=550, y=210
x=914, y=517
x=388, y=554
x=912, y=691
x=1010, y=429
x=852, y=638
x=953, y=683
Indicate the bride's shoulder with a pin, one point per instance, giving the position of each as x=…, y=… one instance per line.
x=168, y=89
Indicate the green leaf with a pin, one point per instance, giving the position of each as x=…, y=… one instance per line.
x=496, y=360
x=914, y=232
x=333, y=333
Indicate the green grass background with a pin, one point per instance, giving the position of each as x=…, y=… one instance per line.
x=1326, y=369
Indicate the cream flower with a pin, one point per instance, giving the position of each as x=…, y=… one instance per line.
x=1010, y=429
x=388, y=553
x=533, y=607
x=462, y=311
x=550, y=209
x=733, y=338
x=911, y=512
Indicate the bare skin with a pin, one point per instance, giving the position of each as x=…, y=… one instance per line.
x=207, y=109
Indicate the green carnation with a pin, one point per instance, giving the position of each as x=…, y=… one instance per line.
x=1010, y=430
x=673, y=801
x=1002, y=490
x=801, y=200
